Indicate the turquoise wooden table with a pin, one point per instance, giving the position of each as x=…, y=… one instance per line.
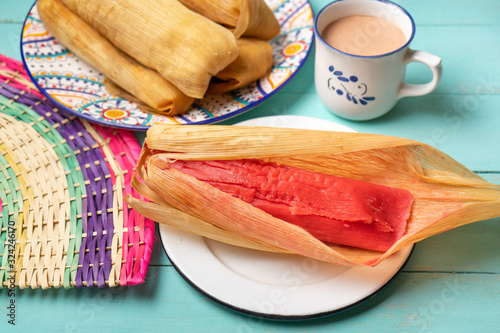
x=452, y=280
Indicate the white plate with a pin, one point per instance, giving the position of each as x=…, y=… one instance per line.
x=275, y=285
x=77, y=87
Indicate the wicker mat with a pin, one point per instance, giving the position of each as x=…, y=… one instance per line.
x=63, y=218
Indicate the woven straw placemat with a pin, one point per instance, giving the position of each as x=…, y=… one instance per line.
x=63, y=218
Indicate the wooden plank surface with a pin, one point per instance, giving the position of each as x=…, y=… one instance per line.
x=452, y=281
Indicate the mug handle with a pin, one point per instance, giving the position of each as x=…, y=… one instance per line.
x=433, y=62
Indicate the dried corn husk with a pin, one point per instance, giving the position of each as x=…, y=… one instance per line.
x=446, y=194
x=251, y=18
x=255, y=58
x=165, y=36
x=143, y=83
x=178, y=105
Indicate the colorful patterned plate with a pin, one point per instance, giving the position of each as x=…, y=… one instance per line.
x=78, y=88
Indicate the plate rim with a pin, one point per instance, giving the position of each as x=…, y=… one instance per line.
x=273, y=316
x=268, y=316
x=141, y=128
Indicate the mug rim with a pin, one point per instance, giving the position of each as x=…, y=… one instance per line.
x=315, y=27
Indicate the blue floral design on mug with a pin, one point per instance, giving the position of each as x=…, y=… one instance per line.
x=354, y=93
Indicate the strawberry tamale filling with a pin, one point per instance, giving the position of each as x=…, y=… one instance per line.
x=333, y=209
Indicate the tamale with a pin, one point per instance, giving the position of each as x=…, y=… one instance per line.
x=333, y=209
x=182, y=106
x=446, y=194
x=255, y=58
x=251, y=18
x=145, y=84
x=165, y=36
x=223, y=12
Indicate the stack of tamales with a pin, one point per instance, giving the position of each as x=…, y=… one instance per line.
x=164, y=54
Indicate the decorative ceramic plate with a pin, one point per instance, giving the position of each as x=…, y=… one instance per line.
x=279, y=286
x=78, y=87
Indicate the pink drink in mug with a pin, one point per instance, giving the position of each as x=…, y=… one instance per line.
x=360, y=76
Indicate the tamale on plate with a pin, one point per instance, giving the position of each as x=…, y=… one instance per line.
x=250, y=18
x=446, y=194
x=255, y=58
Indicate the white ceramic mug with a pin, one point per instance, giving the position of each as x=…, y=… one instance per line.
x=366, y=87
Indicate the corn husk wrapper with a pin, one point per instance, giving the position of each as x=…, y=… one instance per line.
x=165, y=36
x=179, y=106
x=251, y=18
x=255, y=59
x=143, y=83
x=446, y=194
